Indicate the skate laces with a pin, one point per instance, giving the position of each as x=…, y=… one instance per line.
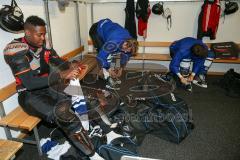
x=96, y=131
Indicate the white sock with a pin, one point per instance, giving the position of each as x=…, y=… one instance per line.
x=106, y=73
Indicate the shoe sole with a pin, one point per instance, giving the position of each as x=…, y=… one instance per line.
x=196, y=83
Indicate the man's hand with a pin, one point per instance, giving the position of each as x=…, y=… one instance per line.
x=119, y=72
x=69, y=74
x=112, y=73
x=75, y=65
x=184, y=80
x=190, y=78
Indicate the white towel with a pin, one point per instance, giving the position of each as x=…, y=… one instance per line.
x=58, y=150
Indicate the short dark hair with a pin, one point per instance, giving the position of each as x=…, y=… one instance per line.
x=199, y=50
x=34, y=21
x=132, y=43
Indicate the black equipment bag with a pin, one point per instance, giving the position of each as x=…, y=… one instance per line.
x=167, y=117
x=231, y=83
x=174, y=121
x=225, y=50
x=117, y=148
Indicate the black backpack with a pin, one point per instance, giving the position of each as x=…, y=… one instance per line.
x=164, y=117
x=230, y=82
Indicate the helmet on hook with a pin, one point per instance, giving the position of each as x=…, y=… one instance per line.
x=230, y=7
x=62, y=4
x=158, y=8
x=11, y=18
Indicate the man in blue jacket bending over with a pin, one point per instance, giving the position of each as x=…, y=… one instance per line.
x=111, y=39
x=185, y=51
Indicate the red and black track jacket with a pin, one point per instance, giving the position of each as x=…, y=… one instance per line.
x=209, y=19
x=18, y=55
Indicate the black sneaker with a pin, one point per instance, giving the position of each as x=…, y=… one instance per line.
x=188, y=87
x=112, y=84
x=200, y=81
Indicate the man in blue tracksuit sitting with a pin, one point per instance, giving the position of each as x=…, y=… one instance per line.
x=111, y=39
x=185, y=51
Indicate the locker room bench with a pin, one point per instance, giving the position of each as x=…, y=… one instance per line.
x=166, y=57
x=8, y=148
x=18, y=119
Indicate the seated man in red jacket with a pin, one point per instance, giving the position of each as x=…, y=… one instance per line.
x=35, y=94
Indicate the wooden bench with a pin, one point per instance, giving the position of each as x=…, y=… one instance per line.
x=166, y=57
x=20, y=120
x=90, y=61
x=17, y=118
x=9, y=148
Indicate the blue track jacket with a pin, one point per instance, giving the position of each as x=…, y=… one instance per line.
x=182, y=50
x=113, y=35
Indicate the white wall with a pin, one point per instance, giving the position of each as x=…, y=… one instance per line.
x=65, y=39
x=184, y=23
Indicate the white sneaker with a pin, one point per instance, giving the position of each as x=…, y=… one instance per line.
x=200, y=81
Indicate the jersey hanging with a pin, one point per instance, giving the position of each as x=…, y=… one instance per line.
x=209, y=19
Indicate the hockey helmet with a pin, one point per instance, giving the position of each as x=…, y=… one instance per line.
x=230, y=7
x=11, y=18
x=158, y=8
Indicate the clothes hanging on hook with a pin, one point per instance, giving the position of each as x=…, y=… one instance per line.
x=130, y=23
x=208, y=20
x=143, y=12
x=168, y=15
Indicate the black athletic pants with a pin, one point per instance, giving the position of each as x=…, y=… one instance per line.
x=41, y=103
x=55, y=107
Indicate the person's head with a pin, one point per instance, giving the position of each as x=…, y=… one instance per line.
x=199, y=50
x=130, y=45
x=35, y=30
